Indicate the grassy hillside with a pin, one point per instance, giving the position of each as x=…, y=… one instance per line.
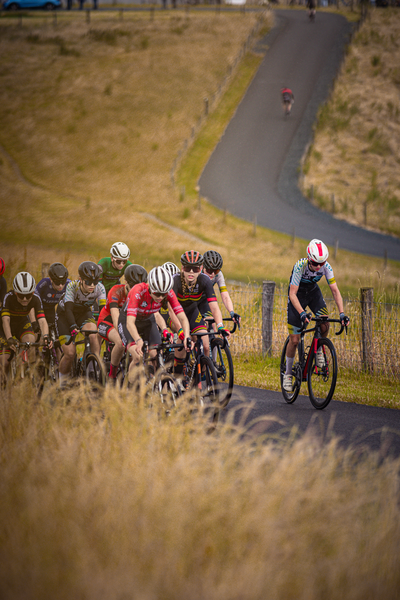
x=356, y=153
x=93, y=116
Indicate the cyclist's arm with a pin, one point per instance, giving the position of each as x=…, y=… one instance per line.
x=293, y=289
x=216, y=313
x=6, y=321
x=44, y=326
x=161, y=324
x=131, y=326
x=175, y=322
x=226, y=299
x=114, y=311
x=184, y=323
x=337, y=296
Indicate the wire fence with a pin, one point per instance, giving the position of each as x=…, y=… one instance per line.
x=372, y=342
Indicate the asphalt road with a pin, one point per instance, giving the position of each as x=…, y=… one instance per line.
x=364, y=427
x=254, y=168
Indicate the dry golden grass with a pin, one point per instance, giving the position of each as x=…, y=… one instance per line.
x=356, y=152
x=101, y=499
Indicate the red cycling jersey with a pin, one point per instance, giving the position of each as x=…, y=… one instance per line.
x=115, y=299
x=141, y=305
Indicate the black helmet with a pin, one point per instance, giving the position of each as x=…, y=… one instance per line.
x=212, y=260
x=58, y=273
x=191, y=257
x=135, y=274
x=89, y=271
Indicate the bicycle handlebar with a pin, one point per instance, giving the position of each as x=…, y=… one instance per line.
x=323, y=320
x=85, y=332
x=211, y=320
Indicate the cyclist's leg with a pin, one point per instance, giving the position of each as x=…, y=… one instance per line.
x=108, y=332
x=68, y=351
x=318, y=306
x=89, y=324
x=198, y=325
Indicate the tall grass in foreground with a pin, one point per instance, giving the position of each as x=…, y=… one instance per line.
x=101, y=498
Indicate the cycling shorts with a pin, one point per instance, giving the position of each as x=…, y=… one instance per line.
x=62, y=327
x=286, y=98
x=147, y=329
x=105, y=326
x=314, y=300
x=196, y=321
x=19, y=330
x=204, y=308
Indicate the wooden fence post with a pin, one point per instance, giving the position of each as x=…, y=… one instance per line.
x=268, y=292
x=367, y=307
x=45, y=270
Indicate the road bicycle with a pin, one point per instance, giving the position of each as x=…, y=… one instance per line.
x=222, y=360
x=321, y=380
x=88, y=365
x=22, y=368
x=200, y=380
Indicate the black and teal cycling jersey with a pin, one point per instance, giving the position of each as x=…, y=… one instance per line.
x=307, y=279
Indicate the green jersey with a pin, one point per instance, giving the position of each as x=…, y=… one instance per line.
x=111, y=276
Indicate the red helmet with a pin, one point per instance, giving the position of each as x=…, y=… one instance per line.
x=2, y=266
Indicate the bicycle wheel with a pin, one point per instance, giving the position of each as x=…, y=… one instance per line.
x=322, y=380
x=207, y=389
x=222, y=360
x=94, y=371
x=168, y=390
x=290, y=397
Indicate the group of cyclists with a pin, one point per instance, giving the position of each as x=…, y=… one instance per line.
x=146, y=306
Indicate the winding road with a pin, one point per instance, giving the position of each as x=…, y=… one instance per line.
x=253, y=171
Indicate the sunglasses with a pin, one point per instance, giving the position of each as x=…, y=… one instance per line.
x=317, y=264
x=158, y=295
x=194, y=269
x=211, y=272
x=90, y=282
x=25, y=296
x=120, y=262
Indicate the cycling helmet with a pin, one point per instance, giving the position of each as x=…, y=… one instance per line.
x=159, y=280
x=135, y=274
x=2, y=266
x=88, y=270
x=171, y=268
x=212, y=260
x=120, y=250
x=24, y=283
x=58, y=273
x=317, y=251
x=191, y=257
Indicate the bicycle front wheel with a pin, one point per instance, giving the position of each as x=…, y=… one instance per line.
x=168, y=390
x=204, y=393
x=322, y=379
x=289, y=397
x=222, y=360
x=94, y=371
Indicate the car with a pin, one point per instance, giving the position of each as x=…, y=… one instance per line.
x=18, y=4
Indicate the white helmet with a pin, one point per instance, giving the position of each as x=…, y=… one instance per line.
x=171, y=268
x=24, y=283
x=317, y=251
x=120, y=250
x=159, y=280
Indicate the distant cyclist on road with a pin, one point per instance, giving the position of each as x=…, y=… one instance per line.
x=287, y=99
x=312, y=6
x=304, y=291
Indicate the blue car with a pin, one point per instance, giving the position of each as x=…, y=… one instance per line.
x=17, y=4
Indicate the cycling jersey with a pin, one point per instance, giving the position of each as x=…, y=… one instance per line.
x=287, y=95
x=3, y=289
x=306, y=279
x=191, y=296
x=111, y=276
x=19, y=320
x=75, y=302
x=218, y=279
x=49, y=296
x=141, y=305
x=115, y=299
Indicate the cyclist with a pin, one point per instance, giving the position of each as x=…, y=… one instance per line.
x=171, y=268
x=74, y=312
x=139, y=316
x=190, y=285
x=107, y=324
x=304, y=291
x=3, y=282
x=20, y=305
x=114, y=266
x=312, y=6
x=212, y=266
x=287, y=99
x=50, y=289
